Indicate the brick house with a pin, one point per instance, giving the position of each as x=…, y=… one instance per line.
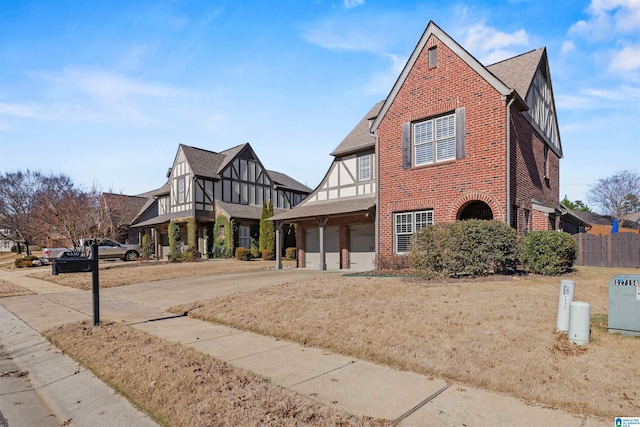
x=336, y=223
x=203, y=184
x=461, y=140
x=455, y=140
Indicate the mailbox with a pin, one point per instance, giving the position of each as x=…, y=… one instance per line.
x=71, y=262
x=624, y=305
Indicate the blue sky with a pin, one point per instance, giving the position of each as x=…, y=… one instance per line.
x=104, y=91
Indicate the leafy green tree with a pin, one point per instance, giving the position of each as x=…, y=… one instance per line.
x=577, y=206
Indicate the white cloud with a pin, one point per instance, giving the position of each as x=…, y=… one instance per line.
x=608, y=17
x=381, y=83
x=490, y=45
x=627, y=59
x=335, y=35
x=567, y=46
x=349, y=4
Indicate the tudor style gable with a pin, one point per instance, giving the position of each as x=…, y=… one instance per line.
x=180, y=180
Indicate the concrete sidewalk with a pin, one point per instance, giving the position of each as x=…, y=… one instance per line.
x=352, y=385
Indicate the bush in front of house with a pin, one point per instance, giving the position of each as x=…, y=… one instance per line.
x=25, y=262
x=290, y=253
x=243, y=254
x=464, y=248
x=548, y=252
x=268, y=254
x=392, y=262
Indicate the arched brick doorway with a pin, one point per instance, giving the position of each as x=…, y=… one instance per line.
x=475, y=209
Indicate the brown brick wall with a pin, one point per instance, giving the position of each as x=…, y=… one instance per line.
x=448, y=186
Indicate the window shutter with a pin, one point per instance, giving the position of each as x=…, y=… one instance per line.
x=406, y=145
x=461, y=143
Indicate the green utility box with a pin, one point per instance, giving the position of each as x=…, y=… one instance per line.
x=624, y=305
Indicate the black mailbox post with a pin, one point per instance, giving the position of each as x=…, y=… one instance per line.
x=74, y=262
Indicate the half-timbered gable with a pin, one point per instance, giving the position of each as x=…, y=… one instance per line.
x=203, y=184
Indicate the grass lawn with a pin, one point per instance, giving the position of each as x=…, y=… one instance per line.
x=178, y=386
x=118, y=273
x=498, y=335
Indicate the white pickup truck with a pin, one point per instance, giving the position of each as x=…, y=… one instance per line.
x=107, y=249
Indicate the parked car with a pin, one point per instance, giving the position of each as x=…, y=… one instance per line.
x=110, y=249
x=107, y=249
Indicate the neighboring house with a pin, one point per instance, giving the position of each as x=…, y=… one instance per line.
x=455, y=140
x=7, y=237
x=119, y=211
x=203, y=184
x=336, y=223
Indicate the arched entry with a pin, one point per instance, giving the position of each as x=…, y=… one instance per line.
x=475, y=210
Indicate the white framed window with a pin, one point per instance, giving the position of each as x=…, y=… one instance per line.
x=364, y=168
x=243, y=236
x=181, y=190
x=406, y=224
x=434, y=140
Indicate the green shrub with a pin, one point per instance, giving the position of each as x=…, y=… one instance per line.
x=191, y=255
x=25, y=262
x=290, y=253
x=243, y=254
x=148, y=246
x=174, y=238
x=473, y=247
x=548, y=252
x=268, y=254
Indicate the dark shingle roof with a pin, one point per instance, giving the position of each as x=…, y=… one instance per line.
x=518, y=72
x=359, y=138
x=124, y=208
x=234, y=210
x=331, y=207
x=282, y=180
x=204, y=163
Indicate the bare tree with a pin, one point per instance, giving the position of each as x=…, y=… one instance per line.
x=65, y=209
x=617, y=195
x=18, y=204
x=113, y=213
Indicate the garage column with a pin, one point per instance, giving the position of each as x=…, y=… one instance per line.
x=321, y=224
x=278, y=245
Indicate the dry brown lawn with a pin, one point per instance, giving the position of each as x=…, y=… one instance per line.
x=117, y=273
x=8, y=289
x=179, y=386
x=497, y=335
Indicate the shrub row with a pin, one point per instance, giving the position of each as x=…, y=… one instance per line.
x=478, y=248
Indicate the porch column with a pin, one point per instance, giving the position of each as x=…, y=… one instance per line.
x=321, y=224
x=278, y=245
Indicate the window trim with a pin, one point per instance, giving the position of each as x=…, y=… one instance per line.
x=545, y=164
x=413, y=225
x=181, y=190
x=368, y=168
x=431, y=138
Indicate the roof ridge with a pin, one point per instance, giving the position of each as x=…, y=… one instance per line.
x=514, y=57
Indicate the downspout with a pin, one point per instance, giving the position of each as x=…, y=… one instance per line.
x=509, y=162
x=376, y=218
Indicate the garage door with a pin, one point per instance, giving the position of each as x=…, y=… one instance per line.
x=362, y=247
x=331, y=248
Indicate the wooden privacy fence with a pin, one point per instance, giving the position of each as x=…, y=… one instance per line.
x=610, y=250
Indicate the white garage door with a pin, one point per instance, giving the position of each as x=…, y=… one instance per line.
x=331, y=248
x=362, y=247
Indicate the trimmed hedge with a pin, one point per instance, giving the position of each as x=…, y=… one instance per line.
x=472, y=247
x=548, y=252
x=268, y=254
x=25, y=262
x=290, y=253
x=243, y=254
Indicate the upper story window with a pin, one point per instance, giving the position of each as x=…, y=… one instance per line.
x=545, y=164
x=181, y=190
x=434, y=140
x=364, y=168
